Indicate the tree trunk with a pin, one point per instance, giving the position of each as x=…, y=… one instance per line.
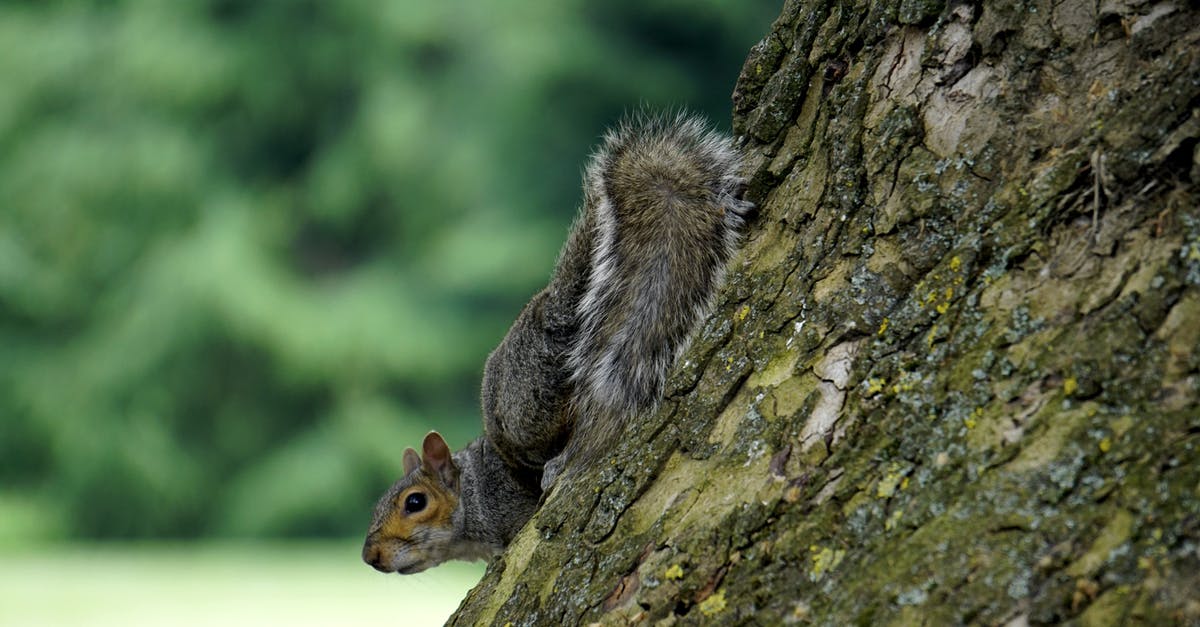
x=953, y=377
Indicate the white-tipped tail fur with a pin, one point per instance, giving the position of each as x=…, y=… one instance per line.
x=664, y=193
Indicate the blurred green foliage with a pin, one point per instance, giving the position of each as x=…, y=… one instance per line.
x=251, y=250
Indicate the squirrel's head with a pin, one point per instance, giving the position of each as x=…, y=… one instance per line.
x=413, y=526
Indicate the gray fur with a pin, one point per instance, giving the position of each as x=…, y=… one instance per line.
x=526, y=392
x=642, y=264
x=494, y=502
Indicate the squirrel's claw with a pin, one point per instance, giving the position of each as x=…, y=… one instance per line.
x=551, y=471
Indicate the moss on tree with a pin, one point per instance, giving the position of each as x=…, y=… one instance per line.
x=954, y=375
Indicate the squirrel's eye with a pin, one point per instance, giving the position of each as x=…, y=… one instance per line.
x=414, y=503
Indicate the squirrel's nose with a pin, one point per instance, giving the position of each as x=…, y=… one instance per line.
x=373, y=556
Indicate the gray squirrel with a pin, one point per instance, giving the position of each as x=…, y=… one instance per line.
x=661, y=216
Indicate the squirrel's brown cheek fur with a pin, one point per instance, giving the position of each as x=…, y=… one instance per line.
x=407, y=542
x=438, y=512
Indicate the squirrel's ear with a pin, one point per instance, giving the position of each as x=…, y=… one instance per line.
x=436, y=459
x=411, y=460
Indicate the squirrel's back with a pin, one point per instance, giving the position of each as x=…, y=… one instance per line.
x=664, y=198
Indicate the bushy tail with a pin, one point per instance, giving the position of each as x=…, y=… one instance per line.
x=664, y=198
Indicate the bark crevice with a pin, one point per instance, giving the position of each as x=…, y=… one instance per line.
x=997, y=207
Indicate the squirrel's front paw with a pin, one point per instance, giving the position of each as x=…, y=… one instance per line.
x=552, y=470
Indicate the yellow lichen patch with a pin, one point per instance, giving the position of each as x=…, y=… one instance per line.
x=875, y=385
x=1070, y=384
x=824, y=560
x=674, y=572
x=1105, y=445
x=714, y=604
x=883, y=327
x=890, y=482
x=973, y=419
x=905, y=382
x=893, y=520
x=742, y=313
x=943, y=306
x=955, y=263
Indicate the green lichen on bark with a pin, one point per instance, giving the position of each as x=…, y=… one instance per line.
x=954, y=375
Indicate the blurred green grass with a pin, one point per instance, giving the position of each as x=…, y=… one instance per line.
x=227, y=584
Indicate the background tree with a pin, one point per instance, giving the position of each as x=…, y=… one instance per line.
x=954, y=375
x=251, y=250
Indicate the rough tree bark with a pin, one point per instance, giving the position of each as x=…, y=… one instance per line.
x=954, y=375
